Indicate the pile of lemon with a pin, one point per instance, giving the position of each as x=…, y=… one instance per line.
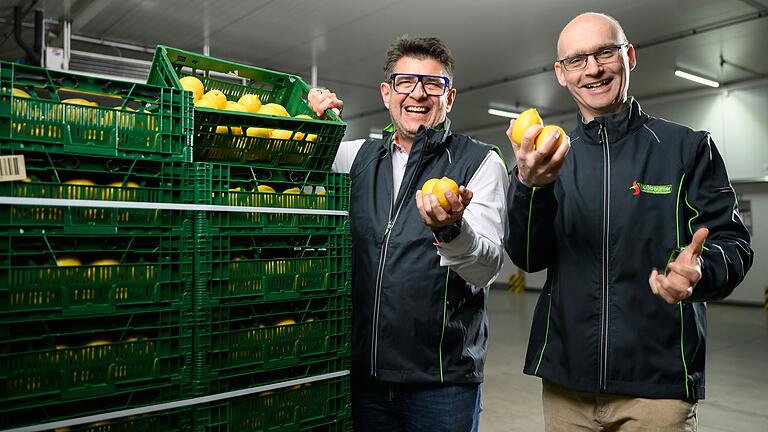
x=248, y=103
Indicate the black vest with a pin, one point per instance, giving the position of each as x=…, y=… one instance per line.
x=413, y=320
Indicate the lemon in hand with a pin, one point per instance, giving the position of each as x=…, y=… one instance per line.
x=524, y=121
x=439, y=187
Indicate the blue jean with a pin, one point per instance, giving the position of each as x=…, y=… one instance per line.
x=393, y=407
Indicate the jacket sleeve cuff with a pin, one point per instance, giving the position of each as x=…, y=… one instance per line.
x=461, y=246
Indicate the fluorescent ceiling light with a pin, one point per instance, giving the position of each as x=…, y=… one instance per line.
x=502, y=113
x=696, y=78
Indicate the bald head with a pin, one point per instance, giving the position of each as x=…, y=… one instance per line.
x=584, y=25
x=599, y=60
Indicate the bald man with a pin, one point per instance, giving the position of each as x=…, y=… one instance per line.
x=637, y=225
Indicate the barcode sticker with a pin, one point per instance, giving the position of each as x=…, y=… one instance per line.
x=12, y=168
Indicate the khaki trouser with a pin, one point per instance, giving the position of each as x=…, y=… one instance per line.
x=569, y=411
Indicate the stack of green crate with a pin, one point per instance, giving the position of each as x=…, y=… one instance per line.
x=95, y=302
x=272, y=298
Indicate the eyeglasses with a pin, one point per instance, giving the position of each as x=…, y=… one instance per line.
x=433, y=85
x=605, y=55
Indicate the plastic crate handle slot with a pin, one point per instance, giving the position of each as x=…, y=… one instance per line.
x=120, y=89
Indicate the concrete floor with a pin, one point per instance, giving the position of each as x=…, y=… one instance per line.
x=737, y=369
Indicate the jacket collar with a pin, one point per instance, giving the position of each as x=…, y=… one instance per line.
x=427, y=139
x=617, y=126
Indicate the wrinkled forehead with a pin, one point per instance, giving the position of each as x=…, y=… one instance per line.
x=586, y=34
x=420, y=66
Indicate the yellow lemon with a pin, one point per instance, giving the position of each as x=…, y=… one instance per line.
x=300, y=135
x=524, y=121
x=124, y=120
x=68, y=261
x=19, y=93
x=438, y=187
x=217, y=98
x=225, y=129
x=75, y=115
x=281, y=134
x=258, y=132
x=194, y=85
x=294, y=191
x=206, y=103
x=321, y=198
x=234, y=106
x=79, y=193
x=105, y=262
x=122, y=194
x=429, y=185
x=265, y=189
x=77, y=101
x=274, y=109
x=251, y=102
x=546, y=132
x=81, y=182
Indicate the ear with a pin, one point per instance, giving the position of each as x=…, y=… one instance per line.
x=631, y=57
x=560, y=73
x=449, y=98
x=386, y=90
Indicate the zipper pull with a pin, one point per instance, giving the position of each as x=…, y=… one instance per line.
x=389, y=228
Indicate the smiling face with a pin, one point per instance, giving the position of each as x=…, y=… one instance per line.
x=410, y=111
x=598, y=89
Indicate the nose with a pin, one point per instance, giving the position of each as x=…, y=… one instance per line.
x=593, y=67
x=418, y=92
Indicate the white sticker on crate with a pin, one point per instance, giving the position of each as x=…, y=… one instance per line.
x=12, y=168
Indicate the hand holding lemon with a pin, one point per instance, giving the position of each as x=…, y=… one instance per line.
x=441, y=202
x=540, y=150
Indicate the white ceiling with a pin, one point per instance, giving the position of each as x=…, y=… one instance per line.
x=501, y=46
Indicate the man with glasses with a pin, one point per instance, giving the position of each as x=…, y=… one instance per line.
x=638, y=226
x=420, y=273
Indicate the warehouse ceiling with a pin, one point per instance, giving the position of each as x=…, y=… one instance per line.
x=504, y=49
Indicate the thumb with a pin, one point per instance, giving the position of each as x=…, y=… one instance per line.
x=697, y=243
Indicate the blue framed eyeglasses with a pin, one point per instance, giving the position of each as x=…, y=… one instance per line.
x=433, y=85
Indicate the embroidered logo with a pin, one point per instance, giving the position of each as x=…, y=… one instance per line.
x=637, y=188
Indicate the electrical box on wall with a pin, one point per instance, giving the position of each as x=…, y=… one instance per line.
x=54, y=58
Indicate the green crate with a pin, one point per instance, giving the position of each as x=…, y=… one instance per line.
x=311, y=143
x=47, y=361
x=313, y=406
x=260, y=268
x=132, y=120
x=40, y=275
x=174, y=420
x=249, y=340
x=65, y=176
x=246, y=186
x=177, y=420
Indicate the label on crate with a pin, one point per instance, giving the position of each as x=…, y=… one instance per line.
x=12, y=168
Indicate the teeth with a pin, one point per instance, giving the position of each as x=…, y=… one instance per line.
x=595, y=85
x=417, y=109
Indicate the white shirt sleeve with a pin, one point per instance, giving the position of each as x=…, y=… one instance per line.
x=477, y=253
x=346, y=155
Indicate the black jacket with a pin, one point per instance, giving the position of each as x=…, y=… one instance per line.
x=633, y=189
x=413, y=321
